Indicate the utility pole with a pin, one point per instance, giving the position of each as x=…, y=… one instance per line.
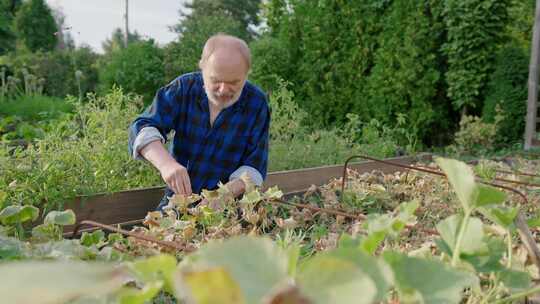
x=126, y=31
x=532, y=106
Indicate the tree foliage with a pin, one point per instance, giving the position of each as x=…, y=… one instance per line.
x=475, y=28
x=183, y=56
x=8, y=8
x=427, y=60
x=406, y=77
x=137, y=68
x=116, y=42
x=507, y=90
x=57, y=70
x=35, y=26
x=245, y=12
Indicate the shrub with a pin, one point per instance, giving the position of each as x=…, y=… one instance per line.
x=137, y=69
x=183, y=56
x=271, y=62
x=294, y=146
x=507, y=89
x=84, y=153
x=475, y=136
x=58, y=70
x=35, y=108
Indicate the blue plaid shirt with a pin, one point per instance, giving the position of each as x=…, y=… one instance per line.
x=238, y=137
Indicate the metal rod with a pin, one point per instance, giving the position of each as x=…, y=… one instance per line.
x=345, y=167
x=172, y=245
x=523, y=230
x=496, y=178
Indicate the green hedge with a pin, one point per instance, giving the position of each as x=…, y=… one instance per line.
x=507, y=89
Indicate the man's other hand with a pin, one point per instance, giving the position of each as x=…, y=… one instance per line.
x=176, y=177
x=174, y=174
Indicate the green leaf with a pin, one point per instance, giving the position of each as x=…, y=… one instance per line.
x=94, y=238
x=346, y=241
x=407, y=210
x=487, y=195
x=11, y=249
x=256, y=264
x=515, y=280
x=3, y=199
x=371, y=242
x=139, y=296
x=500, y=215
x=18, y=214
x=61, y=218
x=473, y=238
x=46, y=232
x=251, y=197
x=427, y=281
x=376, y=269
x=57, y=282
x=64, y=249
x=461, y=177
x=272, y=193
x=210, y=286
x=329, y=279
x=489, y=261
x=155, y=268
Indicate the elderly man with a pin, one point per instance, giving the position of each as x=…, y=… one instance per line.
x=220, y=120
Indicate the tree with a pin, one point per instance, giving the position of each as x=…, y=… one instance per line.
x=137, y=69
x=183, y=56
x=116, y=42
x=8, y=8
x=35, y=26
x=476, y=29
x=245, y=12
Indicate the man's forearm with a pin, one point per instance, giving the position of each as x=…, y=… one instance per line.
x=157, y=155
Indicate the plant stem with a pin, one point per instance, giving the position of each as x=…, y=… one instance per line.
x=519, y=295
x=462, y=229
x=20, y=231
x=509, y=243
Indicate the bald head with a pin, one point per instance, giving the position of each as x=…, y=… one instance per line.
x=227, y=48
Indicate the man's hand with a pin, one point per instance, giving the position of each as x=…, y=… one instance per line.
x=175, y=175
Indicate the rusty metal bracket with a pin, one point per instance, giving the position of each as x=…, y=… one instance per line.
x=523, y=230
x=150, y=239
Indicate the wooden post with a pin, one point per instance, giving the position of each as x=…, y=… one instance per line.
x=530, y=128
x=126, y=32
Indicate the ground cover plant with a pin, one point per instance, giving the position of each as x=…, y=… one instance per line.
x=402, y=237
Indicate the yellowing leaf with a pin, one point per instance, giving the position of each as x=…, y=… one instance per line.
x=273, y=193
x=212, y=286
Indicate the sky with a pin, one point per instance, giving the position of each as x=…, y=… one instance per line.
x=93, y=21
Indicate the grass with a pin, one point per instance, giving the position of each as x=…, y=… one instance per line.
x=34, y=108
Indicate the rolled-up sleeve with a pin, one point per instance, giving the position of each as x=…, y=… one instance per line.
x=145, y=136
x=160, y=115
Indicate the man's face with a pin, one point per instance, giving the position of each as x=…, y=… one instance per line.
x=224, y=75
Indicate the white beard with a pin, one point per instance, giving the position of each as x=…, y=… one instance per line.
x=219, y=104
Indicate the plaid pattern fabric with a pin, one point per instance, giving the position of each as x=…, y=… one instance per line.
x=239, y=136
